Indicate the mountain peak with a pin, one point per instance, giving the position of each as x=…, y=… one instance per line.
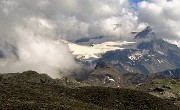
x=149, y=28
x=146, y=33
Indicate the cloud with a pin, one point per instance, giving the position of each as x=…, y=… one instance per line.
x=163, y=15
x=27, y=40
x=28, y=28
x=78, y=18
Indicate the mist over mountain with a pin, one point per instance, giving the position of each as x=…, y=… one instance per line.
x=28, y=29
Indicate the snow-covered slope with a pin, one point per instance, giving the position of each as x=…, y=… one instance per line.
x=94, y=51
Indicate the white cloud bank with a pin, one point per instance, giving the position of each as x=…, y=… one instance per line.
x=28, y=28
x=164, y=16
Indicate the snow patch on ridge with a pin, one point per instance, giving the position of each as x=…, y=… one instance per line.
x=138, y=55
x=94, y=51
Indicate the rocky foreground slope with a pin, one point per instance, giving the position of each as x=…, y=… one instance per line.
x=30, y=90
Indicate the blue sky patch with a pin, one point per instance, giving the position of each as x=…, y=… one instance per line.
x=135, y=1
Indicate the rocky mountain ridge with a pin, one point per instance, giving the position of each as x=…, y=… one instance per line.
x=151, y=55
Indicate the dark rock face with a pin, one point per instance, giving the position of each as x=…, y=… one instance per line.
x=169, y=74
x=146, y=33
x=91, y=41
x=102, y=65
x=88, y=39
x=152, y=55
x=135, y=78
x=1, y=54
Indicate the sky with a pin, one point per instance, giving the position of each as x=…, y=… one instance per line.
x=29, y=28
x=135, y=1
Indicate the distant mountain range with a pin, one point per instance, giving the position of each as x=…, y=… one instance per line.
x=151, y=55
x=145, y=53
